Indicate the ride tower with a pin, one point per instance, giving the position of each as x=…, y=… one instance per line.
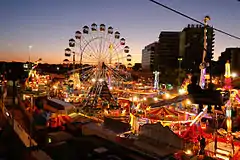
x=156, y=80
x=204, y=65
x=227, y=75
x=31, y=82
x=228, y=86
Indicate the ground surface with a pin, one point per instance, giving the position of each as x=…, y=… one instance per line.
x=83, y=148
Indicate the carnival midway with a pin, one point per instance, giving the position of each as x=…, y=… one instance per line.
x=144, y=115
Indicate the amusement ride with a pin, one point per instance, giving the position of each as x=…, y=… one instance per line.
x=100, y=60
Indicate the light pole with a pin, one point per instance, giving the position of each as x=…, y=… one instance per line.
x=29, y=52
x=179, y=69
x=29, y=57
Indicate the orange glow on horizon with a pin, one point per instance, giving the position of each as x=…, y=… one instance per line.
x=23, y=57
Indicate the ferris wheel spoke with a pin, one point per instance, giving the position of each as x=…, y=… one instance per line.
x=120, y=58
x=115, y=55
x=79, y=69
x=115, y=49
x=96, y=43
x=105, y=53
x=110, y=41
x=90, y=44
x=108, y=55
x=89, y=59
x=86, y=72
x=106, y=45
x=97, y=37
x=110, y=44
x=103, y=45
x=116, y=74
x=88, y=54
x=90, y=74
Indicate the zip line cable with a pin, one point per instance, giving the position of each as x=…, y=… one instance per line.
x=191, y=18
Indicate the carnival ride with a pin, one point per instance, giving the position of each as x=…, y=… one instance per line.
x=35, y=81
x=222, y=144
x=228, y=78
x=103, y=52
x=186, y=82
x=100, y=63
x=191, y=128
x=204, y=65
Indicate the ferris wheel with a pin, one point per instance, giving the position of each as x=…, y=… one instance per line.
x=101, y=51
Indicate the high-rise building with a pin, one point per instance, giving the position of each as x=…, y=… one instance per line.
x=191, y=47
x=233, y=56
x=148, y=54
x=168, y=54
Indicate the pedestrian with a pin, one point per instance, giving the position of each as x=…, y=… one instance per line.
x=202, y=145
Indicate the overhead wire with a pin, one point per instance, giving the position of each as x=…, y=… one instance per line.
x=193, y=19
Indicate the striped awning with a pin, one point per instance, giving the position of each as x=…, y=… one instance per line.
x=163, y=111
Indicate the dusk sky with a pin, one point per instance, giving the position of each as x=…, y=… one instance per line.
x=47, y=25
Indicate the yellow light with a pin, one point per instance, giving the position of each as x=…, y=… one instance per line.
x=124, y=111
x=155, y=99
x=227, y=70
x=49, y=140
x=93, y=80
x=181, y=91
x=188, y=152
x=144, y=98
x=229, y=124
x=135, y=99
x=234, y=75
x=223, y=152
x=188, y=102
x=167, y=95
x=222, y=157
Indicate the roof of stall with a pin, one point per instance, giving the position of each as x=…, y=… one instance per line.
x=207, y=97
x=169, y=101
x=35, y=93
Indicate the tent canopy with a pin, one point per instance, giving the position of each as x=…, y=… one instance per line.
x=163, y=111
